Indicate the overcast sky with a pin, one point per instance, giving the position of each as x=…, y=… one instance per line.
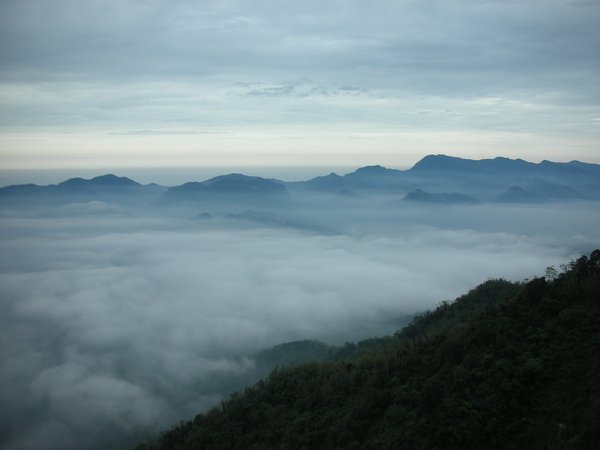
x=256, y=83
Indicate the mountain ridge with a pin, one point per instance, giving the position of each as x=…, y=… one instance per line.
x=483, y=180
x=428, y=162
x=508, y=365
x=102, y=180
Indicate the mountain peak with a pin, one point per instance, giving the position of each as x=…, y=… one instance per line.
x=239, y=182
x=113, y=180
x=375, y=170
x=440, y=162
x=371, y=169
x=102, y=180
x=231, y=184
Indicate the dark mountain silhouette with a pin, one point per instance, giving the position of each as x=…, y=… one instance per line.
x=501, y=166
x=486, y=180
x=564, y=169
x=102, y=188
x=378, y=178
x=331, y=182
x=98, y=187
x=552, y=190
x=364, y=178
x=233, y=186
x=420, y=196
x=448, y=164
x=515, y=194
x=108, y=180
x=244, y=184
x=585, y=166
x=374, y=171
x=22, y=190
x=508, y=365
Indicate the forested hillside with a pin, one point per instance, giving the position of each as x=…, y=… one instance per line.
x=508, y=365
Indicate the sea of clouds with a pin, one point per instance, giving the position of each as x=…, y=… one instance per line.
x=115, y=326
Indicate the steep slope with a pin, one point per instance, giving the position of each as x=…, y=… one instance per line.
x=522, y=372
x=291, y=353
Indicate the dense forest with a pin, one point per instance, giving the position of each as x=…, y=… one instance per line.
x=508, y=365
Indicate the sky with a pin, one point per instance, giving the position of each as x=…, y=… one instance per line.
x=180, y=83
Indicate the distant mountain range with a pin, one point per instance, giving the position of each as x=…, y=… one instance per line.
x=103, y=188
x=444, y=163
x=425, y=197
x=434, y=179
x=484, y=180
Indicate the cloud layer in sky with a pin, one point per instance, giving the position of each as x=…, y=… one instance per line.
x=232, y=82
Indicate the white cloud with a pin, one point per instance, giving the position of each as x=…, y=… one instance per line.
x=119, y=326
x=107, y=67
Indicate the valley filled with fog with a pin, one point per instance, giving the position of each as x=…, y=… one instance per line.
x=197, y=195
x=125, y=312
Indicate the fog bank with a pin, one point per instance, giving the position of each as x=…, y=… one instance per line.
x=115, y=326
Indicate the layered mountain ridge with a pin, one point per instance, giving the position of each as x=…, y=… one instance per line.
x=488, y=180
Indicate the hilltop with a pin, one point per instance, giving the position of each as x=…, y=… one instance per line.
x=509, y=365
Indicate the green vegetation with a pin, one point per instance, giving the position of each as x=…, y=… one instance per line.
x=505, y=366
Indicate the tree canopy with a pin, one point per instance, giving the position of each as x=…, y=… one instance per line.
x=508, y=365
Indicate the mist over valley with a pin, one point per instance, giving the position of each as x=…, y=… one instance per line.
x=128, y=307
x=338, y=225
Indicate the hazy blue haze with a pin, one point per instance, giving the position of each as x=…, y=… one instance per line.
x=122, y=315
